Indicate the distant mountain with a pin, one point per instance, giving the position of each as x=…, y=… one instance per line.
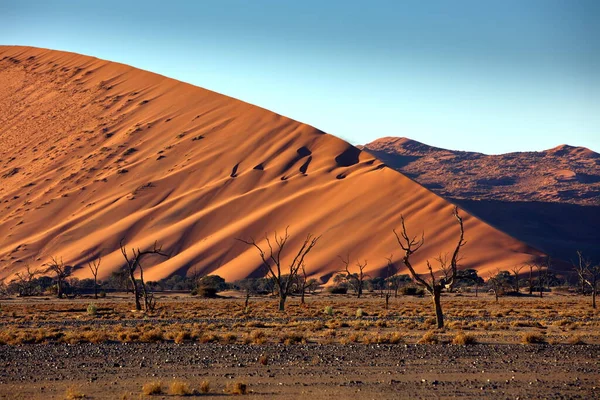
x=564, y=174
x=549, y=199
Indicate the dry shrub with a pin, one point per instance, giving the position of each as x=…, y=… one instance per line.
x=258, y=337
x=429, y=338
x=237, y=388
x=154, y=335
x=152, y=388
x=464, y=339
x=229, y=338
x=264, y=359
x=72, y=393
x=209, y=338
x=179, y=388
x=293, y=338
x=182, y=337
x=533, y=338
x=95, y=336
x=204, y=387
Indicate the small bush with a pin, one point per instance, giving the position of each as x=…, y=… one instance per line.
x=338, y=290
x=464, y=339
x=152, y=388
x=263, y=360
x=205, y=387
x=238, y=388
x=102, y=294
x=412, y=291
x=429, y=338
x=207, y=292
x=179, y=388
x=329, y=311
x=359, y=313
x=92, y=309
x=532, y=338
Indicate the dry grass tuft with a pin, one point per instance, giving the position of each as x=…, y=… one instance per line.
x=464, y=339
x=239, y=388
x=179, y=388
x=429, y=338
x=152, y=388
x=533, y=338
x=204, y=387
x=72, y=393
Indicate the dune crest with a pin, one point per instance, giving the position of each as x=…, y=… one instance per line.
x=93, y=152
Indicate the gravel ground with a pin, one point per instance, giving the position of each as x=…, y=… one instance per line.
x=110, y=370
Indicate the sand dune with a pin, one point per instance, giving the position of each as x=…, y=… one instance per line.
x=93, y=152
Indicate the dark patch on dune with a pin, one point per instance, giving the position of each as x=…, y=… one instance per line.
x=259, y=167
x=348, y=157
x=234, y=171
x=340, y=176
x=302, y=152
x=304, y=166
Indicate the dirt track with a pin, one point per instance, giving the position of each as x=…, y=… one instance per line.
x=110, y=370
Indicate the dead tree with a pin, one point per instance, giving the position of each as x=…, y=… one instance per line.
x=516, y=270
x=435, y=285
x=61, y=272
x=497, y=282
x=133, y=264
x=94, y=266
x=542, y=267
x=24, y=280
x=283, y=277
x=391, y=271
x=530, y=278
x=356, y=279
x=589, y=274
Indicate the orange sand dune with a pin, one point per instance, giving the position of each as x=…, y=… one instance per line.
x=94, y=151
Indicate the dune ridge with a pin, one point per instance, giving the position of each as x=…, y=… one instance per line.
x=94, y=151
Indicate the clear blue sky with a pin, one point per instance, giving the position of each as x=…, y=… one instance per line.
x=489, y=76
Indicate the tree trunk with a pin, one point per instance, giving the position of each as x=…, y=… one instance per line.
x=302, y=298
x=496, y=294
x=530, y=281
x=439, y=316
x=136, y=293
x=59, y=289
x=359, y=289
x=476, y=290
x=387, y=301
x=247, y=299
x=95, y=288
x=594, y=298
x=281, y=302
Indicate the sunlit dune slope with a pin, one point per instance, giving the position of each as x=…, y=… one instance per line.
x=92, y=152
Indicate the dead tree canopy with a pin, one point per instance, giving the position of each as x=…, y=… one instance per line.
x=61, y=273
x=589, y=274
x=271, y=257
x=434, y=285
x=133, y=264
x=356, y=279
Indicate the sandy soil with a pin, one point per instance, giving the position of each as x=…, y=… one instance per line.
x=108, y=371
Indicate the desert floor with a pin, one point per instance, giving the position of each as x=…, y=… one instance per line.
x=50, y=346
